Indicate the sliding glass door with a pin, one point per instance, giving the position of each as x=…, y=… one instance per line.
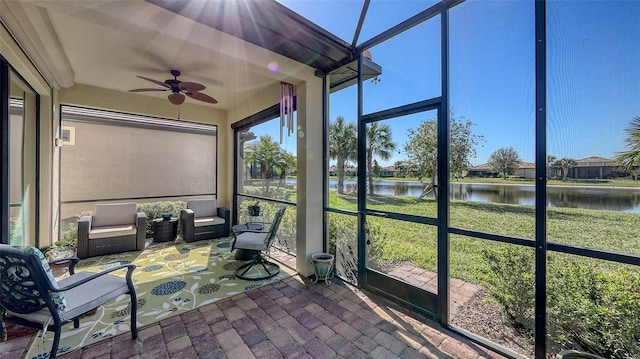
x=19, y=149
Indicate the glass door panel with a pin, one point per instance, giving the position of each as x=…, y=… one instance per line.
x=401, y=212
x=22, y=161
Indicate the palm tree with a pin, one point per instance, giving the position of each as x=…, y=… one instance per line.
x=285, y=164
x=343, y=145
x=629, y=160
x=379, y=144
x=268, y=155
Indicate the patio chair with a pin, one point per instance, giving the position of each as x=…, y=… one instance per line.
x=259, y=241
x=203, y=219
x=114, y=228
x=30, y=295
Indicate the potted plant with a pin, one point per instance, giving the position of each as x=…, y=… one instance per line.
x=254, y=209
x=322, y=266
x=60, y=250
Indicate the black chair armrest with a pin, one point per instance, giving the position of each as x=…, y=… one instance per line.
x=225, y=213
x=186, y=224
x=141, y=230
x=130, y=269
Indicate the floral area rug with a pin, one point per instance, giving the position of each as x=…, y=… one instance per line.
x=170, y=279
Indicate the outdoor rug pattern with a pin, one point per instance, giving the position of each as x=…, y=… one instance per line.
x=170, y=279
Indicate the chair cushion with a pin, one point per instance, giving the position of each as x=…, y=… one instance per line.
x=251, y=240
x=57, y=297
x=83, y=298
x=112, y=231
x=203, y=207
x=114, y=214
x=207, y=221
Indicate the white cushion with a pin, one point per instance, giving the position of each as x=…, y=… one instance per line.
x=203, y=207
x=112, y=231
x=114, y=214
x=251, y=240
x=83, y=298
x=207, y=221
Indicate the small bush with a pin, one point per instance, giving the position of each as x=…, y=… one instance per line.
x=343, y=244
x=509, y=276
x=594, y=308
x=591, y=305
x=157, y=209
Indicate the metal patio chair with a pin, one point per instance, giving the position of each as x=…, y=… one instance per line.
x=30, y=295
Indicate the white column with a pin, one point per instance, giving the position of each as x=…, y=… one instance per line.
x=310, y=174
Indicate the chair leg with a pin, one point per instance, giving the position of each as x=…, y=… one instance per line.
x=243, y=269
x=134, y=306
x=134, y=315
x=56, y=342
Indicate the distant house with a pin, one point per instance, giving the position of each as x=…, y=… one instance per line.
x=595, y=167
x=389, y=171
x=483, y=170
x=524, y=170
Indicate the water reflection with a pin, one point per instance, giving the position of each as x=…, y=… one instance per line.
x=596, y=198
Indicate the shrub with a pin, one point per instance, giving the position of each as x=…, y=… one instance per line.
x=156, y=209
x=594, y=307
x=509, y=276
x=591, y=305
x=343, y=244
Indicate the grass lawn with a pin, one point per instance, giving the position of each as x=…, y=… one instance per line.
x=394, y=240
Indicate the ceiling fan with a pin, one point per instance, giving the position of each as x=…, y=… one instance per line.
x=178, y=89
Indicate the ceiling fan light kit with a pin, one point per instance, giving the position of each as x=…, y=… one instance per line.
x=178, y=89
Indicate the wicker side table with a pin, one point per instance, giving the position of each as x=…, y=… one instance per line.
x=165, y=230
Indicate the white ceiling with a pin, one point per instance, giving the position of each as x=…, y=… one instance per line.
x=106, y=43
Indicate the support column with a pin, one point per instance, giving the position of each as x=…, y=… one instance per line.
x=310, y=155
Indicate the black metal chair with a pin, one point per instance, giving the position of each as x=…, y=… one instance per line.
x=259, y=241
x=30, y=295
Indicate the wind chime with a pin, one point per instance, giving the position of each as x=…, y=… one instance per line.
x=286, y=109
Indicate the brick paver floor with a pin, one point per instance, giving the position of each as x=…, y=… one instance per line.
x=291, y=318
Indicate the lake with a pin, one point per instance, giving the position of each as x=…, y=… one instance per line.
x=597, y=198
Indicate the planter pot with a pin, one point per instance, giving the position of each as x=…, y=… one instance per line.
x=322, y=266
x=254, y=211
x=60, y=253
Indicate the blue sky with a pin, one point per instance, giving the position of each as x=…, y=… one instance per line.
x=593, y=76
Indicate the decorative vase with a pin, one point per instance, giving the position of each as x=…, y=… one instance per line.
x=322, y=266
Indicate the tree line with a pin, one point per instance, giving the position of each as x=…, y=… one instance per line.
x=421, y=150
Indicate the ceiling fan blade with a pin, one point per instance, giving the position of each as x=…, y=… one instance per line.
x=191, y=86
x=154, y=81
x=176, y=98
x=202, y=97
x=148, y=89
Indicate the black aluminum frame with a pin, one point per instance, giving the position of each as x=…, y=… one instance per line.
x=540, y=244
x=4, y=150
x=246, y=123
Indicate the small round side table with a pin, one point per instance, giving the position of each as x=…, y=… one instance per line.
x=165, y=230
